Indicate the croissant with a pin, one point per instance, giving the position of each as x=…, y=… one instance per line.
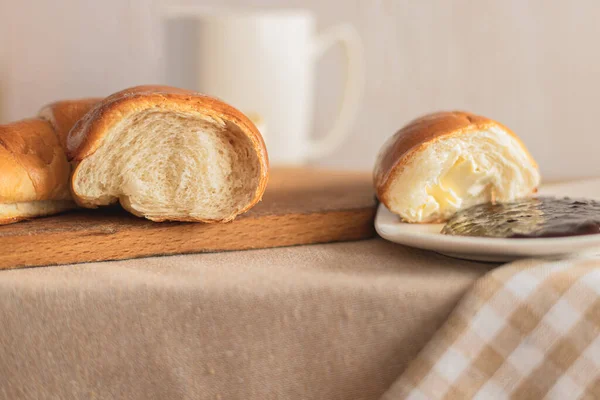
x=63, y=114
x=34, y=177
x=167, y=154
x=447, y=161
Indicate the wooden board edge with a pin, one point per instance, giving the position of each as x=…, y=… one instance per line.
x=265, y=232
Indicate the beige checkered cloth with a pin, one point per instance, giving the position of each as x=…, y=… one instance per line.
x=529, y=330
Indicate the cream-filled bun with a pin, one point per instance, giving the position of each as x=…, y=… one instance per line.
x=447, y=161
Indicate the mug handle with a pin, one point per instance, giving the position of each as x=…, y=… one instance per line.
x=348, y=37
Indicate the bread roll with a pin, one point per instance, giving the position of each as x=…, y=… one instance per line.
x=63, y=114
x=447, y=161
x=34, y=171
x=168, y=154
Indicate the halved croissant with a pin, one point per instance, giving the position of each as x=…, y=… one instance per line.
x=168, y=154
x=34, y=171
x=447, y=161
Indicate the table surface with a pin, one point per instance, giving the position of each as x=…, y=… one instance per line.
x=334, y=321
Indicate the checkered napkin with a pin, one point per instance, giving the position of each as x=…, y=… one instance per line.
x=529, y=330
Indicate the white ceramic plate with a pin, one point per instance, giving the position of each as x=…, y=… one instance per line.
x=428, y=236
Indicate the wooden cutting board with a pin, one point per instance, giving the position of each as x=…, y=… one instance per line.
x=300, y=206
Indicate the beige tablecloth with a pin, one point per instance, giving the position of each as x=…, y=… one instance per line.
x=336, y=321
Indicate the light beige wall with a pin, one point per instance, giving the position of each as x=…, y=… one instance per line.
x=532, y=64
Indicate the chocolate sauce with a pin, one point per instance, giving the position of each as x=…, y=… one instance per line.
x=540, y=217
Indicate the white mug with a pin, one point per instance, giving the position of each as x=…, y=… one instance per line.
x=263, y=63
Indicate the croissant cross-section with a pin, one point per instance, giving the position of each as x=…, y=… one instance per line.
x=168, y=154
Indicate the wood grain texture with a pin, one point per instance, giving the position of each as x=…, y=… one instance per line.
x=300, y=206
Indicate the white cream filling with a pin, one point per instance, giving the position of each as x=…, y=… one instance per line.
x=462, y=171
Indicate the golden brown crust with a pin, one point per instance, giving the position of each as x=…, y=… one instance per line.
x=33, y=164
x=88, y=133
x=12, y=220
x=421, y=132
x=63, y=115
